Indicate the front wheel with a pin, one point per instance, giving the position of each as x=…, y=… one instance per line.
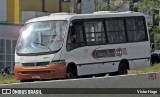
x=70, y=73
x=26, y=81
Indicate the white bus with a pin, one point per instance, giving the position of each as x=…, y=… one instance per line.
x=65, y=45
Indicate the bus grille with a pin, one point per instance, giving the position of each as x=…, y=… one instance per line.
x=36, y=64
x=35, y=72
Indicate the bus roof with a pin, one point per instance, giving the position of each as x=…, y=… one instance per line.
x=71, y=16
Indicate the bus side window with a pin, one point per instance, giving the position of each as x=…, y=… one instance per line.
x=72, y=36
x=136, y=30
x=75, y=37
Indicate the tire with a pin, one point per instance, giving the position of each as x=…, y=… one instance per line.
x=26, y=81
x=122, y=70
x=22, y=81
x=70, y=73
x=152, y=63
x=113, y=73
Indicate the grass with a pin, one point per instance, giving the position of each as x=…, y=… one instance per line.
x=153, y=68
x=7, y=79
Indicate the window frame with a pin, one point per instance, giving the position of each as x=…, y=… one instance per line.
x=117, y=18
x=103, y=20
x=95, y=20
x=69, y=31
x=145, y=28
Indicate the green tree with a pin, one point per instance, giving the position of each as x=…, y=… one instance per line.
x=110, y=5
x=148, y=7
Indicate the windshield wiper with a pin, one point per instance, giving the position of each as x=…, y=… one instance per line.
x=43, y=45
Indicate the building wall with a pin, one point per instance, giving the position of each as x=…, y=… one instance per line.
x=65, y=7
x=8, y=38
x=31, y=5
x=3, y=11
x=13, y=11
x=10, y=11
x=50, y=5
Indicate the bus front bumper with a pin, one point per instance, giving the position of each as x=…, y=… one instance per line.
x=51, y=71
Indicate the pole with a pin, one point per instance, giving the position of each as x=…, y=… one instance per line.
x=95, y=5
x=72, y=7
x=43, y=6
x=60, y=5
x=108, y=4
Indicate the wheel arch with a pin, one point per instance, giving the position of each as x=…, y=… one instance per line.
x=73, y=66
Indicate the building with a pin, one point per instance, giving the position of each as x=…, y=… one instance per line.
x=18, y=11
x=8, y=38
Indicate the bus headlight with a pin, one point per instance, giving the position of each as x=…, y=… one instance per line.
x=58, y=62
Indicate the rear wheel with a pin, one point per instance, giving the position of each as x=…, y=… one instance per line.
x=113, y=73
x=70, y=73
x=122, y=70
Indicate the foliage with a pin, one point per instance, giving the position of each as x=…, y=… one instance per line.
x=153, y=68
x=147, y=6
x=110, y=5
x=6, y=79
x=156, y=32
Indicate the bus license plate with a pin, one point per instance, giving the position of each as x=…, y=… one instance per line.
x=36, y=77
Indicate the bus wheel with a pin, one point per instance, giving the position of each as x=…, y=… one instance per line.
x=70, y=73
x=122, y=70
x=23, y=81
x=113, y=73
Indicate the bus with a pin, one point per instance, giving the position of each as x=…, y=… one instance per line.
x=68, y=45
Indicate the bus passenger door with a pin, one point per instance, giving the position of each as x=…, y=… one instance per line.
x=76, y=47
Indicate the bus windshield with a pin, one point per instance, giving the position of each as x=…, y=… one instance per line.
x=41, y=37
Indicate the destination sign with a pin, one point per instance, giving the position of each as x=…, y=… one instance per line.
x=109, y=53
